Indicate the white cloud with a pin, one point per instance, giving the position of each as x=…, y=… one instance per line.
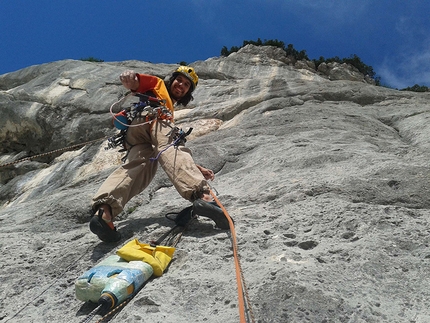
x=412, y=67
x=409, y=64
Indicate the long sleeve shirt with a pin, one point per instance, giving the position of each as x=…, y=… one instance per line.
x=157, y=86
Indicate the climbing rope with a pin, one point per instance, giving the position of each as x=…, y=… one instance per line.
x=160, y=114
x=55, y=281
x=93, y=313
x=54, y=152
x=174, y=234
x=114, y=311
x=118, y=104
x=242, y=289
x=172, y=238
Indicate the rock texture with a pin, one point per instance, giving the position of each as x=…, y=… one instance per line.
x=327, y=179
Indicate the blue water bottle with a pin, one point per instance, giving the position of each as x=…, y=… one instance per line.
x=112, y=281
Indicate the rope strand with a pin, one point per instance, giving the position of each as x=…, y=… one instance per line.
x=172, y=238
x=54, y=151
x=241, y=286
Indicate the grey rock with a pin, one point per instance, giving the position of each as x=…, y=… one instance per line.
x=327, y=179
x=336, y=71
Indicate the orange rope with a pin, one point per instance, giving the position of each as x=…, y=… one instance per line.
x=239, y=274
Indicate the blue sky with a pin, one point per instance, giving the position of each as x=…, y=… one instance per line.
x=392, y=36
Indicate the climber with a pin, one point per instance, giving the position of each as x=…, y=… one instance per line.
x=144, y=143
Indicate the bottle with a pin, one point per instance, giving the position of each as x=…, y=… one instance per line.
x=112, y=281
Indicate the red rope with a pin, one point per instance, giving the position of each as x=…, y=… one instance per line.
x=239, y=274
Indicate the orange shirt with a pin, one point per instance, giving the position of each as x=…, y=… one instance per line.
x=156, y=85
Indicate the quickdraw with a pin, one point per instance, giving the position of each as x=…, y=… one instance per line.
x=178, y=140
x=149, y=108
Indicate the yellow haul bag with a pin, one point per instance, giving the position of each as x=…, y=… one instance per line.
x=158, y=257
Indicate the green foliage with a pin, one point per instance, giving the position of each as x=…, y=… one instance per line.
x=92, y=59
x=272, y=42
x=183, y=63
x=226, y=52
x=290, y=51
x=353, y=60
x=417, y=88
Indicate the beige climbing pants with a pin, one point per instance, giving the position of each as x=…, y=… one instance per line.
x=144, y=142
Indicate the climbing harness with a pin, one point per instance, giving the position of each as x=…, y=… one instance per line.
x=153, y=109
x=150, y=108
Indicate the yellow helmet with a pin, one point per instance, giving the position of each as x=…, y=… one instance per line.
x=189, y=72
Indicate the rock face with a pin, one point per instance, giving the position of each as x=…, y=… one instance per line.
x=336, y=71
x=327, y=180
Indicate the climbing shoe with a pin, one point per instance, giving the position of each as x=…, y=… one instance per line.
x=182, y=218
x=212, y=211
x=102, y=229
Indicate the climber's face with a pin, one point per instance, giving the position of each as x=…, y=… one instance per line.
x=180, y=87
